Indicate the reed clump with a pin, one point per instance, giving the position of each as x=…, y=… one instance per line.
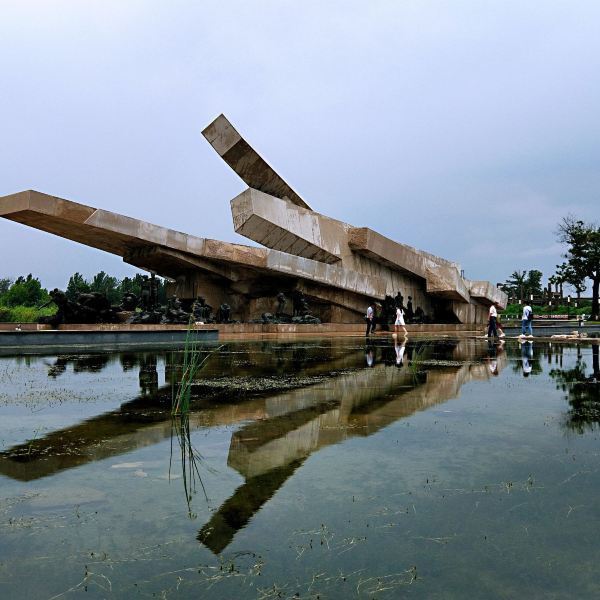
x=193, y=360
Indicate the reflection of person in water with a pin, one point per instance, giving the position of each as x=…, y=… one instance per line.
x=148, y=375
x=399, y=348
x=526, y=357
x=370, y=356
x=494, y=351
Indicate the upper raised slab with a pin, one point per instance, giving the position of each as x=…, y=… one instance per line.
x=247, y=163
x=277, y=224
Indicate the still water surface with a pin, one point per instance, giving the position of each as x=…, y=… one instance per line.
x=314, y=469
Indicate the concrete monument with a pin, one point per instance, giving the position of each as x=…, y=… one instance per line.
x=337, y=267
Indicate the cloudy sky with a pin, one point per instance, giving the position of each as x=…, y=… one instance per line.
x=465, y=128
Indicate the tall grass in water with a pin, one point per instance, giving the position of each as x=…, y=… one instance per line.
x=416, y=363
x=189, y=457
x=193, y=361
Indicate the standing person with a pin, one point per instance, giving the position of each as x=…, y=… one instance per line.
x=492, y=319
x=399, y=320
x=526, y=321
x=370, y=319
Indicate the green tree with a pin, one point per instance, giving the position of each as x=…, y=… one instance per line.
x=566, y=274
x=583, y=254
x=25, y=291
x=5, y=284
x=515, y=284
x=77, y=285
x=522, y=284
x=106, y=285
x=533, y=283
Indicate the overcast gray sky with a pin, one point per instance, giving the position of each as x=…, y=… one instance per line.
x=465, y=128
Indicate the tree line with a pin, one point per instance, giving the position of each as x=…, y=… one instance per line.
x=27, y=290
x=582, y=263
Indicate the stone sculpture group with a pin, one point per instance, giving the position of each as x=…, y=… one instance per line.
x=94, y=308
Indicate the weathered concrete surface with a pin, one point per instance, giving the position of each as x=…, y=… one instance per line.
x=171, y=253
x=442, y=277
x=246, y=162
x=340, y=268
x=279, y=225
x=488, y=293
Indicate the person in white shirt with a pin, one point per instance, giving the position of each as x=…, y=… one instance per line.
x=526, y=320
x=370, y=319
x=492, y=319
x=399, y=320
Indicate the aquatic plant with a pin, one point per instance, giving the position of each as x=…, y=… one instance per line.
x=193, y=361
x=415, y=364
x=190, y=459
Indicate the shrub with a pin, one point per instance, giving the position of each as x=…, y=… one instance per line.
x=24, y=314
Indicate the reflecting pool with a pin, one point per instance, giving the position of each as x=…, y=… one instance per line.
x=307, y=469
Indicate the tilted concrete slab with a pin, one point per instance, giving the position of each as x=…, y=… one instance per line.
x=246, y=162
x=446, y=282
x=277, y=224
x=167, y=251
x=442, y=277
x=263, y=218
x=487, y=292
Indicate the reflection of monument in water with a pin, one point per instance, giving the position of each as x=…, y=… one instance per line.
x=267, y=452
x=281, y=431
x=146, y=420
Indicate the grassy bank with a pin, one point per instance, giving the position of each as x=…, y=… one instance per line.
x=24, y=314
x=514, y=311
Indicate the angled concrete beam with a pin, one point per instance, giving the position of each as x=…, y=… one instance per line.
x=279, y=225
x=488, y=293
x=137, y=241
x=446, y=282
x=442, y=276
x=247, y=163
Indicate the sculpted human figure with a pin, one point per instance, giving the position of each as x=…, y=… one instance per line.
x=145, y=293
x=281, y=302
x=297, y=302
x=224, y=313
x=153, y=291
x=409, y=309
x=129, y=301
x=399, y=300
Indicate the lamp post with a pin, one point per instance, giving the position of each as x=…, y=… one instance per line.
x=568, y=305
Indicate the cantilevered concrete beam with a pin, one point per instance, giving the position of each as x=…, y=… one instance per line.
x=487, y=293
x=442, y=276
x=279, y=225
x=142, y=244
x=247, y=163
